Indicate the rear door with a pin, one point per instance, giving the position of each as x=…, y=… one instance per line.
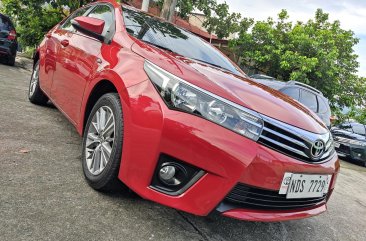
x=53, y=47
x=77, y=62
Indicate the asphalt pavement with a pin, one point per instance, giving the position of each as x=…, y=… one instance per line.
x=43, y=195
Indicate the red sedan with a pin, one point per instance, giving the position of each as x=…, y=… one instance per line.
x=177, y=122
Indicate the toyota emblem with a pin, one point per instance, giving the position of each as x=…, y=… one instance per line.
x=317, y=149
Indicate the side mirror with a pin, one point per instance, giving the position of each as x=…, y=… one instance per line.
x=92, y=27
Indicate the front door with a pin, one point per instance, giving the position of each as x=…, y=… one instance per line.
x=77, y=62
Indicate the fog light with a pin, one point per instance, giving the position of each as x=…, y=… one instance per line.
x=167, y=173
x=173, y=176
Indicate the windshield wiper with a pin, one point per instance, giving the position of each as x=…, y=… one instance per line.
x=159, y=46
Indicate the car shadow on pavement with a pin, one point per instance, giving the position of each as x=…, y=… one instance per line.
x=211, y=227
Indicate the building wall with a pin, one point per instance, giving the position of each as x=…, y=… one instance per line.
x=197, y=20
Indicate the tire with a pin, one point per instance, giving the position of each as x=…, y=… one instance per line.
x=11, y=60
x=35, y=94
x=101, y=157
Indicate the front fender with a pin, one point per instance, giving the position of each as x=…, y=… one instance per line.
x=122, y=68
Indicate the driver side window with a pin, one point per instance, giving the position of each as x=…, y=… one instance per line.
x=103, y=12
x=78, y=13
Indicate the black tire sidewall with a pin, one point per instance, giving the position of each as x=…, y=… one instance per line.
x=38, y=96
x=36, y=65
x=11, y=60
x=109, y=175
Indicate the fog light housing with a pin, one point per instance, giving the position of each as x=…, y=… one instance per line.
x=173, y=176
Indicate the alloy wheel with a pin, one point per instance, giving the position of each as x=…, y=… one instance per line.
x=100, y=140
x=34, y=80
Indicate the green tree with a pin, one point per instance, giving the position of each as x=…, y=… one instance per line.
x=221, y=22
x=218, y=21
x=34, y=18
x=318, y=52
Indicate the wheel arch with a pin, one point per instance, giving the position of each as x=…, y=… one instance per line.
x=103, y=87
x=35, y=57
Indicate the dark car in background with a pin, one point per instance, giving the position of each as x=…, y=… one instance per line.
x=8, y=40
x=350, y=141
x=305, y=94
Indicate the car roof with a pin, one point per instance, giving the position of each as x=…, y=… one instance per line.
x=274, y=84
x=262, y=76
x=293, y=82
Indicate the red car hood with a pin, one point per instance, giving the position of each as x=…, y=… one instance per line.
x=238, y=89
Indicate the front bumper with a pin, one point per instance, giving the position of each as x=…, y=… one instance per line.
x=151, y=129
x=274, y=216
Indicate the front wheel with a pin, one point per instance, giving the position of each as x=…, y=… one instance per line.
x=102, y=143
x=35, y=94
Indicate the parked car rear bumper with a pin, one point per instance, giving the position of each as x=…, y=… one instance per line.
x=8, y=48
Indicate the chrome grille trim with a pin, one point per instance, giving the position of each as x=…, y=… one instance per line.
x=286, y=137
x=329, y=143
x=285, y=146
x=293, y=141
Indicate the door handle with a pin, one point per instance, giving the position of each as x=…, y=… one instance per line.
x=65, y=43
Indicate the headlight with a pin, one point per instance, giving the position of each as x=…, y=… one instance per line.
x=358, y=143
x=180, y=95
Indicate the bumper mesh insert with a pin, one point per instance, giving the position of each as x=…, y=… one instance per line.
x=243, y=196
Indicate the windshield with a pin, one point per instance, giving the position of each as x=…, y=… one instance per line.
x=169, y=37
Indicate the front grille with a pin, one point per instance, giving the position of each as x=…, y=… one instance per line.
x=293, y=141
x=243, y=196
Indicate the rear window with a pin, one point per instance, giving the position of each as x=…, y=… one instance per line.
x=5, y=24
x=359, y=129
x=323, y=107
x=309, y=100
x=292, y=92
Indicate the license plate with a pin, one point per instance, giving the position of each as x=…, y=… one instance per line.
x=337, y=145
x=304, y=185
